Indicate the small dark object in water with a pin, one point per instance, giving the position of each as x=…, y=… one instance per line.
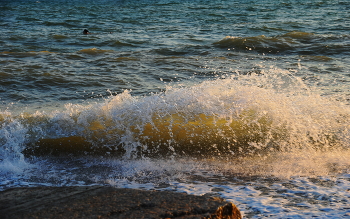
x=85, y=31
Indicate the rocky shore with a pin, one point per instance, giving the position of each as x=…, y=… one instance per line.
x=109, y=202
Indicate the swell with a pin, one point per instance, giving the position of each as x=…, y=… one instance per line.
x=301, y=43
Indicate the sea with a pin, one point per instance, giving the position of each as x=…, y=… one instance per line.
x=247, y=100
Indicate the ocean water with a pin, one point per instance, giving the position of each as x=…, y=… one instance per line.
x=246, y=100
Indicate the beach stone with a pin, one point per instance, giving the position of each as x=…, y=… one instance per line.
x=108, y=202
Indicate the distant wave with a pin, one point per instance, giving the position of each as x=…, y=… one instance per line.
x=293, y=42
x=94, y=51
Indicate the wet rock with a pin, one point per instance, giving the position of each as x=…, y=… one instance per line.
x=107, y=202
x=228, y=211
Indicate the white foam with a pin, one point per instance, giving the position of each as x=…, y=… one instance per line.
x=301, y=179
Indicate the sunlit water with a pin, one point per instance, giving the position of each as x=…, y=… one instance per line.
x=247, y=100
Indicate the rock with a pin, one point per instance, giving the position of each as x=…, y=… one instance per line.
x=108, y=202
x=228, y=211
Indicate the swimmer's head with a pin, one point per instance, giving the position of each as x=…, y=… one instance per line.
x=85, y=31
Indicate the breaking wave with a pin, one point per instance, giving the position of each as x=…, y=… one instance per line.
x=240, y=116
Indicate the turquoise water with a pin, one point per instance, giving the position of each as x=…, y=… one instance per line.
x=248, y=100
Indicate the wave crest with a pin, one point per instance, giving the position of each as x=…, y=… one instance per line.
x=229, y=117
x=301, y=43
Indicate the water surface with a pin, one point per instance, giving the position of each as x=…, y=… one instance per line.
x=247, y=100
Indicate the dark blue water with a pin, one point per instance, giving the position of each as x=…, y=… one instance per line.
x=245, y=99
x=134, y=44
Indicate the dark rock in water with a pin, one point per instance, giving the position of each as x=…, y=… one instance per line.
x=228, y=211
x=108, y=202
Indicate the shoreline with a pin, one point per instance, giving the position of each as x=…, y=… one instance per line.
x=110, y=202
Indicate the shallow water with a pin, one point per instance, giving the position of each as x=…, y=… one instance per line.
x=247, y=100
